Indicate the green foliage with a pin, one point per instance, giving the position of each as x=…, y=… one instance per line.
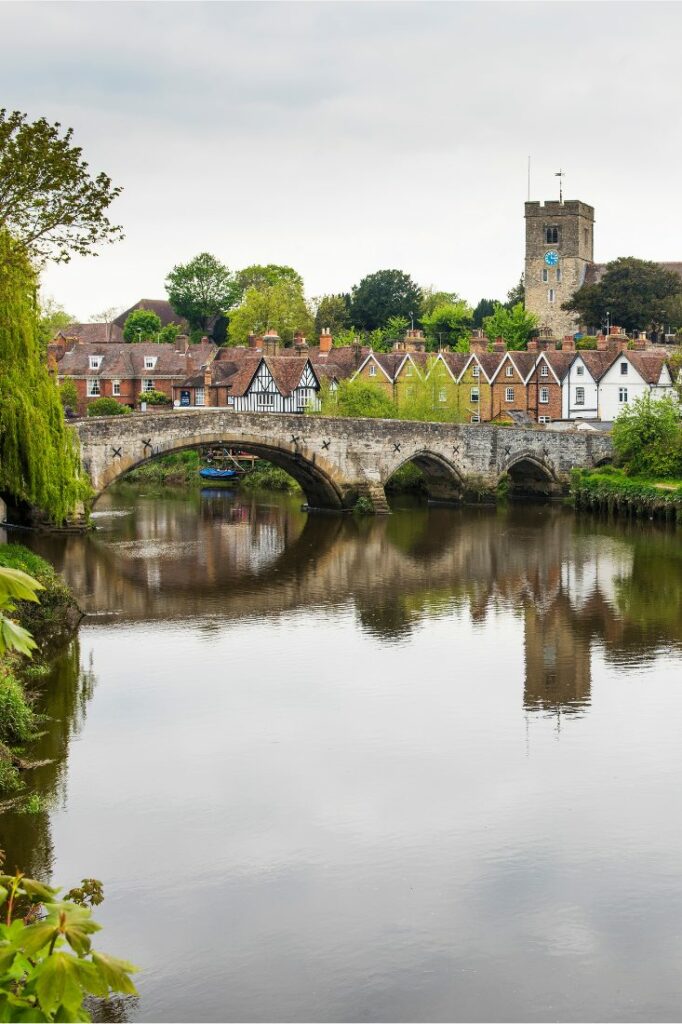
x=345, y=338
x=17, y=719
x=55, y=615
x=449, y=324
x=515, y=325
x=201, y=289
x=267, y=477
x=107, y=407
x=637, y=294
x=68, y=393
x=280, y=307
x=431, y=299
x=169, y=333
x=48, y=967
x=50, y=205
x=174, y=468
x=363, y=507
x=39, y=462
x=333, y=313
x=486, y=307
x=408, y=478
x=396, y=326
x=516, y=294
x=588, y=343
x=420, y=400
x=647, y=437
x=142, y=325
x=155, y=398
x=614, y=491
x=262, y=277
x=357, y=398
x=382, y=295
x=52, y=318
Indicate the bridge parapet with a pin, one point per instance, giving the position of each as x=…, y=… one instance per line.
x=336, y=459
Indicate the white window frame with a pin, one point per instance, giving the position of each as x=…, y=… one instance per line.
x=624, y=368
x=147, y=384
x=545, y=275
x=475, y=395
x=476, y=370
x=509, y=371
x=116, y=388
x=544, y=396
x=149, y=362
x=544, y=370
x=200, y=396
x=509, y=394
x=580, y=371
x=372, y=370
x=580, y=396
x=442, y=395
x=544, y=419
x=96, y=362
x=623, y=396
x=475, y=418
x=93, y=389
x=265, y=399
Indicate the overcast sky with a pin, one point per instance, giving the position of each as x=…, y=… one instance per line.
x=343, y=138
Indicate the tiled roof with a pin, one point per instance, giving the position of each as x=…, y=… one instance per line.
x=128, y=360
x=161, y=307
x=648, y=364
x=490, y=361
x=455, y=361
x=597, y=362
x=93, y=334
x=559, y=361
x=523, y=361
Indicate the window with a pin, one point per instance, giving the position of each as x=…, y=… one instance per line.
x=580, y=370
x=304, y=396
x=558, y=275
x=586, y=235
x=622, y=395
x=623, y=369
x=544, y=370
x=475, y=418
x=545, y=275
x=550, y=295
x=544, y=395
x=509, y=371
x=93, y=388
x=580, y=396
x=442, y=396
x=551, y=235
x=116, y=388
x=149, y=362
x=372, y=370
x=147, y=384
x=474, y=394
x=230, y=399
x=266, y=399
x=408, y=370
x=544, y=419
x=509, y=394
x=409, y=391
x=199, y=396
x=476, y=370
x=95, y=362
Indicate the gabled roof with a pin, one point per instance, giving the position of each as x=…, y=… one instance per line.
x=93, y=334
x=161, y=307
x=558, y=362
x=453, y=361
x=417, y=359
x=523, y=363
x=128, y=360
x=597, y=363
x=490, y=363
x=648, y=364
x=387, y=361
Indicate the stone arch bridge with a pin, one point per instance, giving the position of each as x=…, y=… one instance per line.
x=338, y=460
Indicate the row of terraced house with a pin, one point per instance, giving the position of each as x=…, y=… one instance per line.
x=543, y=384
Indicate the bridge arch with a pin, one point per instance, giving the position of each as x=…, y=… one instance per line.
x=530, y=474
x=317, y=479
x=442, y=480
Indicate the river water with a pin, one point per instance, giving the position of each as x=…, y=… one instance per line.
x=423, y=767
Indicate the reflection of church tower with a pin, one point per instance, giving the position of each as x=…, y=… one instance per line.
x=557, y=660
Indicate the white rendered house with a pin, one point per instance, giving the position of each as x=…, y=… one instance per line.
x=630, y=376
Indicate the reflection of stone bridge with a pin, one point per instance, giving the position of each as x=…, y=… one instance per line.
x=338, y=460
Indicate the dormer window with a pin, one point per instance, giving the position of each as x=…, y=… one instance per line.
x=149, y=362
x=551, y=235
x=95, y=362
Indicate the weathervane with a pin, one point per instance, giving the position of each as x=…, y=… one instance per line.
x=560, y=174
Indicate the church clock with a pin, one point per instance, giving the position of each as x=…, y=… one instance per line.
x=552, y=258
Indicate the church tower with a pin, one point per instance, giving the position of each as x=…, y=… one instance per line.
x=559, y=248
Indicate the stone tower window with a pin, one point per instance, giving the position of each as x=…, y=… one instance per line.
x=558, y=275
x=550, y=295
x=545, y=275
x=551, y=235
x=586, y=232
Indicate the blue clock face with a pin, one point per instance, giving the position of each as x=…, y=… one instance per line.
x=552, y=258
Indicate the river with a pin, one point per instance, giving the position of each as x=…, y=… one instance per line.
x=419, y=767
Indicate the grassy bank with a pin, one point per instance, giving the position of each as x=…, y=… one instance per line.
x=614, y=492
x=181, y=469
x=51, y=623
x=264, y=476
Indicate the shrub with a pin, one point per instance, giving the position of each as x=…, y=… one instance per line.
x=647, y=437
x=107, y=407
x=68, y=393
x=17, y=720
x=358, y=398
x=154, y=398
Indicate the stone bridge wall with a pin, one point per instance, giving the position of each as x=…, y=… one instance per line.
x=336, y=460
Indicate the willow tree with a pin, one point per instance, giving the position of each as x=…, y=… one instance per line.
x=39, y=463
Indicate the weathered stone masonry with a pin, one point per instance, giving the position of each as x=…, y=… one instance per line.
x=338, y=460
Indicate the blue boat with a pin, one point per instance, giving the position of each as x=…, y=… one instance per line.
x=219, y=474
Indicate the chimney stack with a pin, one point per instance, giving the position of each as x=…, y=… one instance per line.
x=499, y=345
x=602, y=343
x=415, y=341
x=568, y=344
x=532, y=345
x=478, y=342
x=271, y=343
x=300, y=344
x=208, y=381
x=326, y=342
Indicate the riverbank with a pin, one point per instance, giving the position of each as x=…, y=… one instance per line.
x=611, y=491
x=51, y=623
x=181, y=469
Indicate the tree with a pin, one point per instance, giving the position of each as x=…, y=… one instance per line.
x=142, y=325
x=358, y=398
x=431, y=299
x=50, y=205
x=169, y=333
x=201, y=289
x=39, y=463
x=516, y=294
x=107, y=407
x=52, y=318
x=261, y=277
x=396, y=326
x=515, y=325
x=280, y=307
x=382, y=295
x=449, y=324
x=636, y=294
x=647, y=437
x=106, y=316
x=333, y=314
x=68, y=393
x=486, y=307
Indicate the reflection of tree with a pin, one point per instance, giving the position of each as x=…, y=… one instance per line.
x=62, y=698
